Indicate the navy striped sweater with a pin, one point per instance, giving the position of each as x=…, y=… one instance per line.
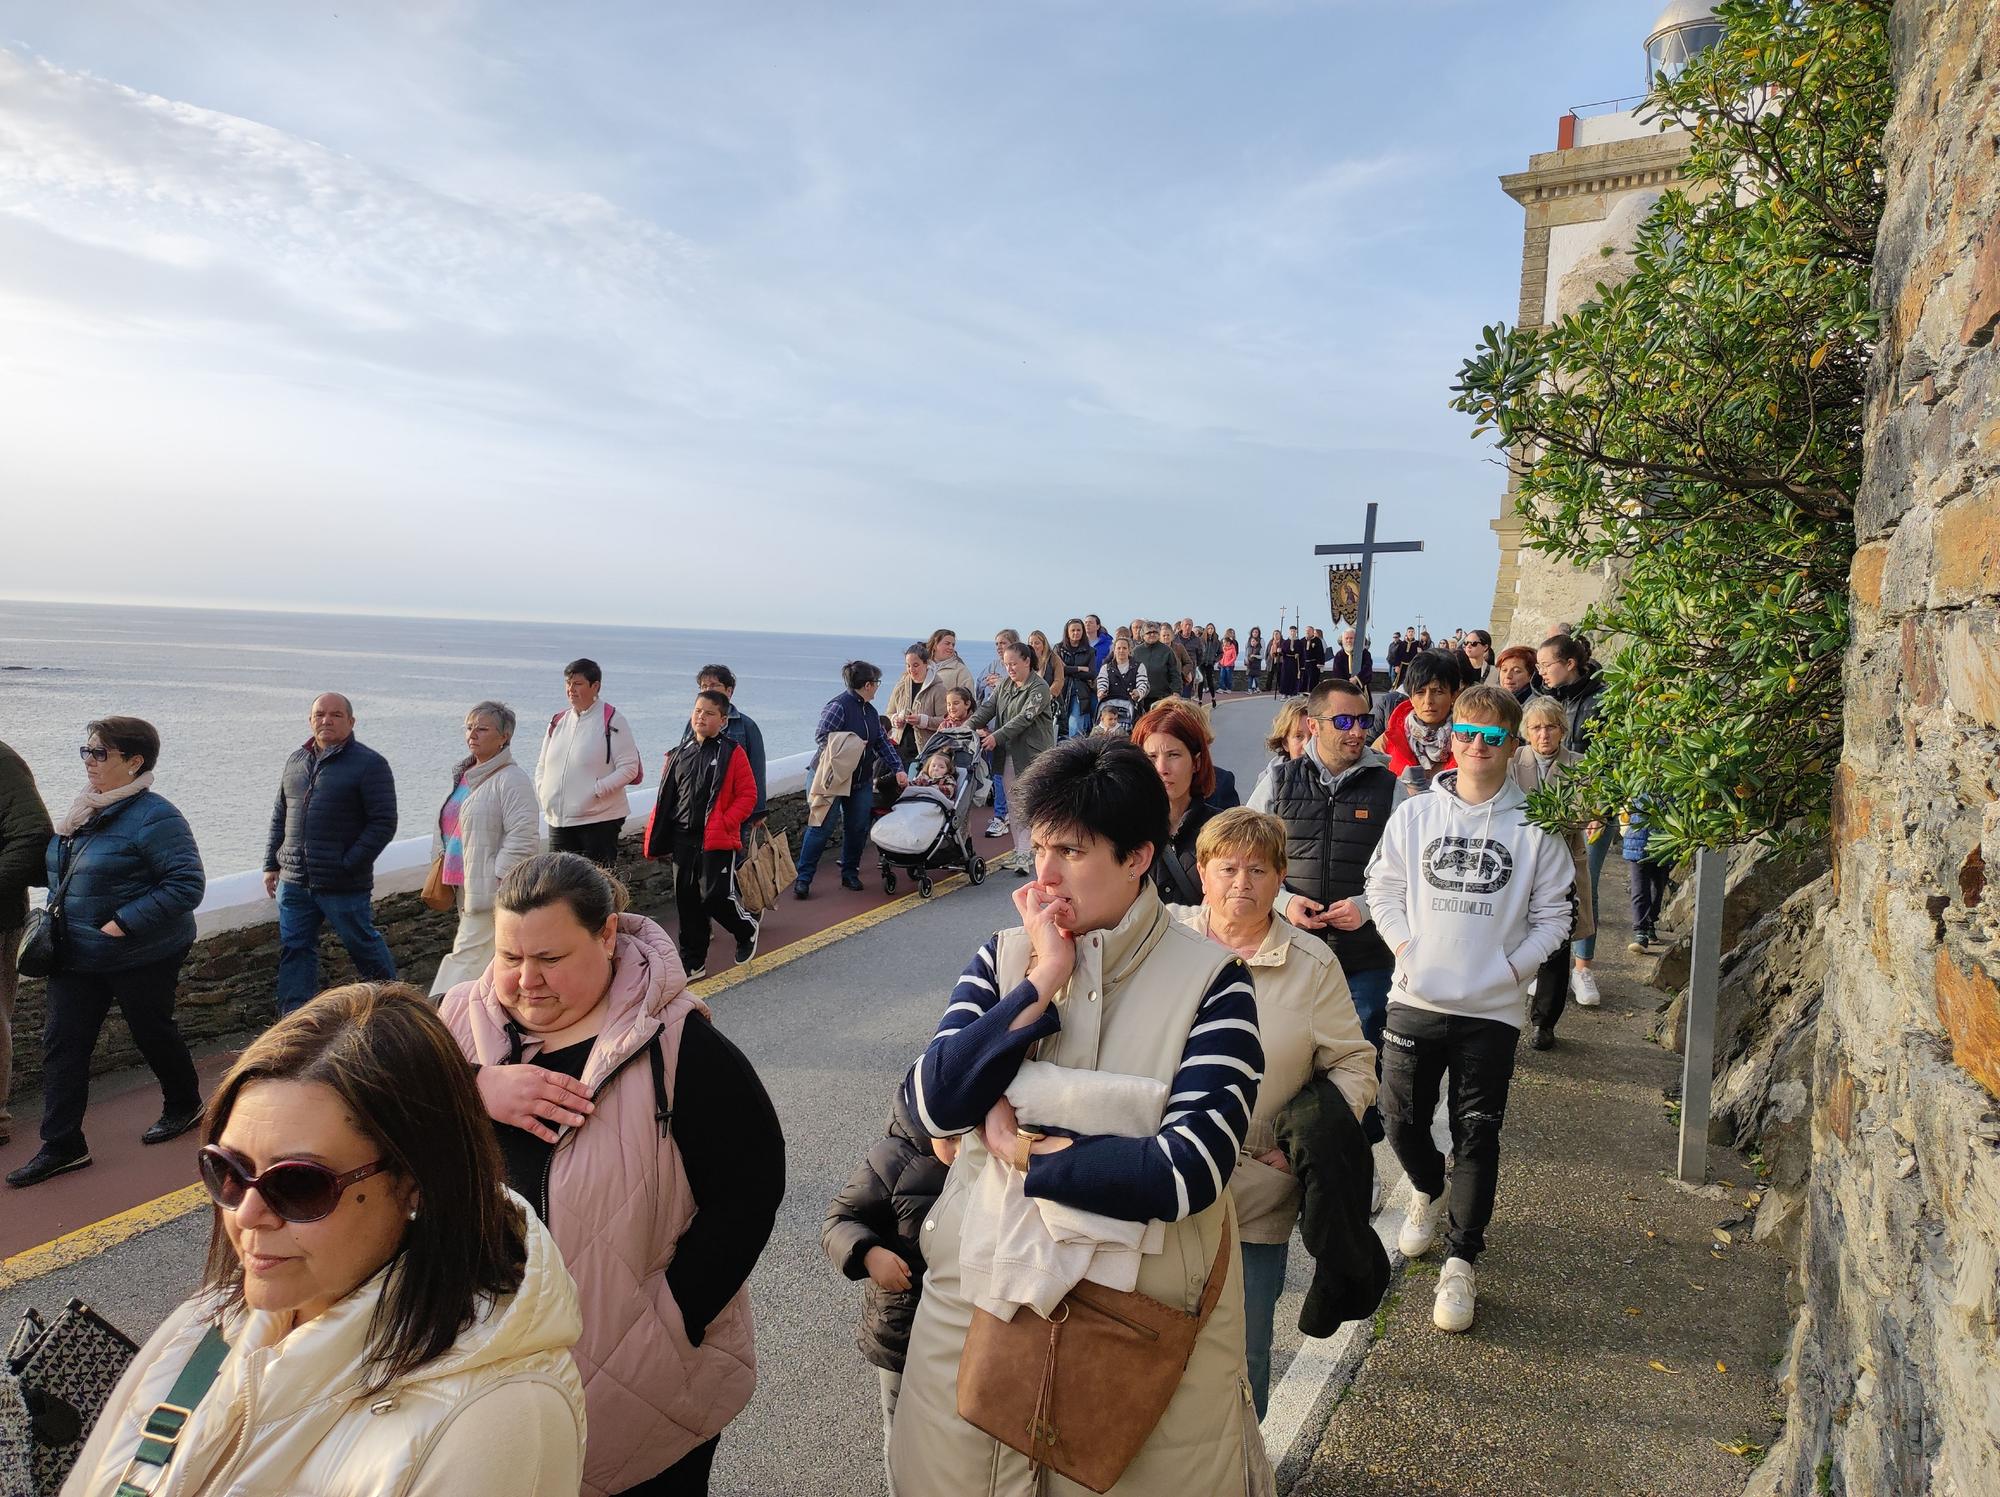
x=1178, y=1171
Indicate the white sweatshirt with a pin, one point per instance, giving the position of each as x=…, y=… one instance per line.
x=576, y=782
x=1481, y=897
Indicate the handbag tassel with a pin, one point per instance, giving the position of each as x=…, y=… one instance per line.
x=1042, y=1432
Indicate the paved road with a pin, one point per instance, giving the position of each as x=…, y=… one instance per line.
x=831, y=1035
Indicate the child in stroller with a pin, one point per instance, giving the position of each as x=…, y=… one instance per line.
x=930, y=826
x=1114, y=720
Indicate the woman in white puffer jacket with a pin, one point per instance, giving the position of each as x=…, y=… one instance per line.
x=486, y=826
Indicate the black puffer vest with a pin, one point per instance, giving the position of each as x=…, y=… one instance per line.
x=1328, y=842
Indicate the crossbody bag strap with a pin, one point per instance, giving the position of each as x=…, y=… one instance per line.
x=169, y=1420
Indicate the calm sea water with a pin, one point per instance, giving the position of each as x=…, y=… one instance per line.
x=229, y=692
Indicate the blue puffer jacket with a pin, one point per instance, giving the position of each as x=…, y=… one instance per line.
x=134, y=862
x=1637, y=834
x=333, y=817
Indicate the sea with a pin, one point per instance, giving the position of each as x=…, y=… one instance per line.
x=229, y=693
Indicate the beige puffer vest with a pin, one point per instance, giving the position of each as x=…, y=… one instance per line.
x=618, y=1204
x=1128, y=1008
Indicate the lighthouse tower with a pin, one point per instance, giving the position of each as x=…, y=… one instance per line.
x=1589, y=194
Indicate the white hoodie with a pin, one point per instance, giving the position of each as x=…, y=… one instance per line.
x=582, y=773
x=1490, y=900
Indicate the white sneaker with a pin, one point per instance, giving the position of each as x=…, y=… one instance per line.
x=1583, y=987
x=996, y=828
x=1452, y=1309
x=1419, y=1225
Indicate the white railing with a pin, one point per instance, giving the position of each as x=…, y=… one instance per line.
x=237, y=900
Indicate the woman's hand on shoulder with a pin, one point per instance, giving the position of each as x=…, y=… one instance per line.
x=530, y=1098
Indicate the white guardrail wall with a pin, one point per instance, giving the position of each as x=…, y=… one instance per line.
x=237, y=900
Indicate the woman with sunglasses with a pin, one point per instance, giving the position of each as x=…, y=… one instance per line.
x=378, y=1313
x=645, y=1141
x=125, y=877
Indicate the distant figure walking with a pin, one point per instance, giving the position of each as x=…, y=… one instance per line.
x=848, y=743
x=486, y=827
x=123, y=869
x=24, y=842
x=707, y=797
x=336, y=811
x=588, y=758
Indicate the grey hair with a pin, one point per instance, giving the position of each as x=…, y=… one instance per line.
x=500, y=712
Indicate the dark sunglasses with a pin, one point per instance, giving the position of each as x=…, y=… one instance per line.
x=295, y=1189
x=1344, y=722
x=1495, y=737
x=91, y=755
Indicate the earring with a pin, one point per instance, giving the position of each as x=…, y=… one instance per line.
x=413, y=1214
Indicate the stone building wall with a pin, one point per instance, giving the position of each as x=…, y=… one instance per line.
x=1894, y=1381
x=226, y=986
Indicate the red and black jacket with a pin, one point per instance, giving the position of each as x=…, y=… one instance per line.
x=706, y=786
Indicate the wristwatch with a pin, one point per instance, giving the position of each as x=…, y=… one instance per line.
x=1024, y=1140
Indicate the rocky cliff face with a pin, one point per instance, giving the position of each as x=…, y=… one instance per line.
x=1896, y=1362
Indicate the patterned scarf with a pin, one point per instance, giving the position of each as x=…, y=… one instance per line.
x=1432, y=746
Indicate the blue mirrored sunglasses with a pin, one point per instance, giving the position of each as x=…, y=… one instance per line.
x=1495, y=737
x=1344, y=722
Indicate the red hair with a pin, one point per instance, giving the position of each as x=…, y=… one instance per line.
x=1186, y=723
x=1517, y=652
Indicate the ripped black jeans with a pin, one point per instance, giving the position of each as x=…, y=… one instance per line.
x=1418, y=1048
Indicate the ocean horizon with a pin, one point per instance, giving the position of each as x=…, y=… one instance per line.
x=229, y=690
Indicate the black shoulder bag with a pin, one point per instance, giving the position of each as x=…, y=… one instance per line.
x=41, y=950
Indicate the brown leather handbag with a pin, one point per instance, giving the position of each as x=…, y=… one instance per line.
x=1081, y=1391
x=437, y=894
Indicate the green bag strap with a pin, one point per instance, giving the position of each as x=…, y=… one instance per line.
x=169, y=1420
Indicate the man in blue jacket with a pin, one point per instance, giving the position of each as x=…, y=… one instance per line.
x=335, y=813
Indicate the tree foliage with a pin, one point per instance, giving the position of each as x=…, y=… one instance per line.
x=1699, y=425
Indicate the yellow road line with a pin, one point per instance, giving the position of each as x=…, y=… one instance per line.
x=87, y=1242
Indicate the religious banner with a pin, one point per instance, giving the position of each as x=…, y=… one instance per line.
x=1343, y=591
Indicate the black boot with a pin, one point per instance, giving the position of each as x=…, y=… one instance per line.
x=172, y=1124
x=49, y=1162
x=1544, y=1038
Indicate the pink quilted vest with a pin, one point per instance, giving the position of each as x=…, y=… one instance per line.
x=618, y=1204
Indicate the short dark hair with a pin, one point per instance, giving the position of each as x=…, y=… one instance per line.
x=129, y=736
x=585, y=667
x=1572, y=650
x=715, y=699
x=593, y=896
x=859, y=673
x=721, y=675
x=404, y=1083
x=959, y=691
x=1433, y=668
x=1329, y=688
x=1103, y=786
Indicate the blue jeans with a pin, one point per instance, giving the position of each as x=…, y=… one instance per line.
x=853, y=809
x=1263, y=1282
x=301, y=913
x=1370, y=992
x=1596, y=852
x=999, y=788
x=1229, y=678
x=1079, y=718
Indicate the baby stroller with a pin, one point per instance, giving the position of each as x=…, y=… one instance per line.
x=1126, y=711
x=929, y=829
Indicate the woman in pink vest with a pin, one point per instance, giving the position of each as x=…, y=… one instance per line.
x=620, y=1110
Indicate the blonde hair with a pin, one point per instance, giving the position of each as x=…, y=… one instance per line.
x=1242, y=830
x=1544, y=709
x=1495, y=702
x=1284, y=723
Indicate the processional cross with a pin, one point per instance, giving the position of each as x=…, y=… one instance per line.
x=1368, y=550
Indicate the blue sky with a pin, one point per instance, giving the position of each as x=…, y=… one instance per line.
x=838, y=317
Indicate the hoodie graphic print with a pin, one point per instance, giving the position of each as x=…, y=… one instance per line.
x=1475, y=896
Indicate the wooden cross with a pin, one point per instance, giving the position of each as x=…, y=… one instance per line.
x=1369, y=549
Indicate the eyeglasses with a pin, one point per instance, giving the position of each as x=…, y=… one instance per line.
x=91, y=755
x=295, y=1189
x=1495, y=737
x=1346, y=722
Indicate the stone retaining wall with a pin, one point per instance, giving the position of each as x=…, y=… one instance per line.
x=1897, y=1354
x=226, y=986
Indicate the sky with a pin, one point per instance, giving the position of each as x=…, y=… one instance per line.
x=857, y=317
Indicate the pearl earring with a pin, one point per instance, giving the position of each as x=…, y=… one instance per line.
x=413, y=1215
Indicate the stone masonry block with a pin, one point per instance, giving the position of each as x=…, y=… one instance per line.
x=1970, y=653
x=1968, y=1005
x=1968, y=549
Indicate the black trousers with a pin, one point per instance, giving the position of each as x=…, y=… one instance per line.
x=1551, y=989
x=1418, y=1048
x=1649, y=889
x=596, y=840
x=78, y=1004
x=705, y=890
x=686, y=1477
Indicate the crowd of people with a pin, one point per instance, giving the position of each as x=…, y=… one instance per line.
x=526, y=1206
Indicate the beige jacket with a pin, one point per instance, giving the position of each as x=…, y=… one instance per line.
x=914, y=699
x=1531, y=772
x=833, y=774
x=498, y=825
x=618, y=1204
x=1127, y=1009
x=501, y=1413
x=1306, y=1019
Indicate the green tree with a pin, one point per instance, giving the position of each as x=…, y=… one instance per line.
x=1699, y=425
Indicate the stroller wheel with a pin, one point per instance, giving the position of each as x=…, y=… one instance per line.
x=924, y=885
x=888, y=882
x=976, y=870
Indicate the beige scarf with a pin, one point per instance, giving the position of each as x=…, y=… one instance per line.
x=91, y=802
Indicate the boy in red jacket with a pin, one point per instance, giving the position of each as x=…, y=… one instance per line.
x=706, y=794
